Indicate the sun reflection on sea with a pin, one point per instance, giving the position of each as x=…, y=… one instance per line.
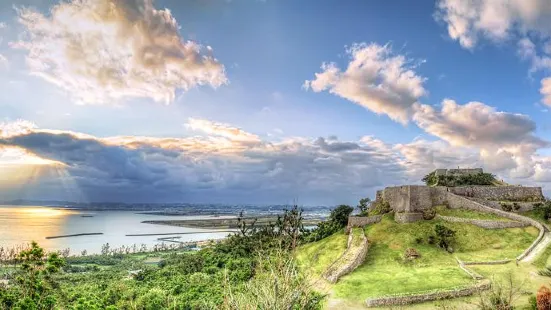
x=45, y=212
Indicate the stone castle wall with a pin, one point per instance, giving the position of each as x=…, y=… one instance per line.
x=418, y=298
x=488, y=224
x=408, y=217
x=353, y=256
x=512, y=193
x=524, y=206
x=361, y=221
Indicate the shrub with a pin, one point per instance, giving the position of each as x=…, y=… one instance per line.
x=543, y=210
x=444, y=237
x=501, y=296
x=379, y=208
x=418, y=240
x=363, y=206
x=429, y=214
x=543, y=298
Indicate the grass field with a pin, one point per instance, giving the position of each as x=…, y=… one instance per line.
x=385, y=272
x=442, y=210
x=317, y=256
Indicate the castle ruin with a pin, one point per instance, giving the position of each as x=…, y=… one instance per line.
x=409, y=201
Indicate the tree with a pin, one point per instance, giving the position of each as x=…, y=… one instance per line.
x=340, y=215
x=364, y=205
x=34, y=278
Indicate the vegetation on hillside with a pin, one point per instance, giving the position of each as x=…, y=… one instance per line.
x=482, y=178
x=389, y=269
x=237, y=273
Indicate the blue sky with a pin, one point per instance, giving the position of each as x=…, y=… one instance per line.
x=262, y=52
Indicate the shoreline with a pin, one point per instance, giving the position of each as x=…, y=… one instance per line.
x=223, y=223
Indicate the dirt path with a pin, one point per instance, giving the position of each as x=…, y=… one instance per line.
x=539, y=248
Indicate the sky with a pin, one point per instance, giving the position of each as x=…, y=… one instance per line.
x=268, y=102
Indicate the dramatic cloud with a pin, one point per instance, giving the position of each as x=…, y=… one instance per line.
x=223, y=166
x=476, y=124
x=506, y=141
x=468, y=21
x=374, y=78
x=228, y=164
x=103, y=51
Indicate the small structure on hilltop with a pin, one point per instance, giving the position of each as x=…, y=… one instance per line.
x=410, y=202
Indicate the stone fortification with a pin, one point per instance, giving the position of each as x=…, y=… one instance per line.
x=361, y=221
x=509, y=193
x=353, y=256
x=488, y=224
x=424, y=297
x=409, y=200
x=408, y=217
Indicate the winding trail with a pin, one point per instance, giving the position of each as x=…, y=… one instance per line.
x=542, y=245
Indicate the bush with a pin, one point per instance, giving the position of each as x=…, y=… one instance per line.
x=379, y=208
x=543, y=210
x=444, y=237
x=543, y=298
x=418, y=240
x=363, y=206
x=429, y=214
x=501, y=296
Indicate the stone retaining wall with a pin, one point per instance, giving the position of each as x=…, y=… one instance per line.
x=352, y=257
x=493, y=262
x=488, y=224
x=408, y=217
x=361, y=221
x=418, y=298
x=524, y=206
x=512, y=193
x=458, y=202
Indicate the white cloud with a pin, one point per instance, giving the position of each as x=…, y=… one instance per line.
x=477, y=125
x=545, y=90
x=505, y=141
x=4, y=62
x=221, y=129
x=375, y=78
x=19, y=127
x=104, y=51
x=469, y=21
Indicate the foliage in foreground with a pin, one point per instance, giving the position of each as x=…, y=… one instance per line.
x=278, y=284
x=502, y=295
x=182, y=280
x=338, y=219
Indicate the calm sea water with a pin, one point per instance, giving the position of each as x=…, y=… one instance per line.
x=22, y=224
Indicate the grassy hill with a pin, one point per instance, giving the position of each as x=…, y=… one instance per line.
x=386, y=272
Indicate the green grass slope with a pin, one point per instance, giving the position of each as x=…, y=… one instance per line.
x=385, y=272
